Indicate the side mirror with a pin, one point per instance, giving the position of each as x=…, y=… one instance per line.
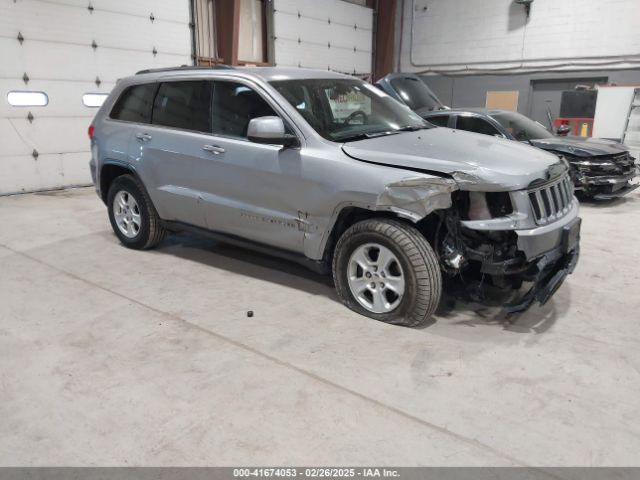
x=563, y=130
x=270, y=130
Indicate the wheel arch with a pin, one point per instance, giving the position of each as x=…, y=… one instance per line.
x=351, y=214
x=110, y=171
x=346, y=217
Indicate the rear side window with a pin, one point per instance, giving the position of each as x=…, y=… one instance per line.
x=185, y=105
x=439, y=120
x=476, y=124
x=415, y=93
x=134, y=105
x=234, y=105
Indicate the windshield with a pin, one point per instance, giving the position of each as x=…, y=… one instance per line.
x=344, y=110
x=521, y=127
x=416, y=94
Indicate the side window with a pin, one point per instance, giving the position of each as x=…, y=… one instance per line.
x=476, y=124
x=185, y=105
x=134, y=105
x=439, y=120
x=234, y=105
x=300, y=97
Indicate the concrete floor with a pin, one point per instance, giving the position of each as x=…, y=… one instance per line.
x=116, y=357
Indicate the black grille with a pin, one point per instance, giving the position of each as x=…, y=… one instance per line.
x=551, y=201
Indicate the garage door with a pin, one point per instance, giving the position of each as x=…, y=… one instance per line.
x=57, y=59
x=327, y=34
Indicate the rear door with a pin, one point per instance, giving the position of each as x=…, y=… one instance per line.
x=170, y=149
x=132, y=107
x=250, y=189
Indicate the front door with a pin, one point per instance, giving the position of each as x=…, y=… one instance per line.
x=250, y=189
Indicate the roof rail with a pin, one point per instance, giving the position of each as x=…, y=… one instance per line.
x=183, y=68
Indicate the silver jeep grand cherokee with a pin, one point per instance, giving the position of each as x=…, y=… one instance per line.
x=328, y=170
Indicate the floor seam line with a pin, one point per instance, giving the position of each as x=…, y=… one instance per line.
x=469, y=441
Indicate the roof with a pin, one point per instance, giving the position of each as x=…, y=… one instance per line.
x=479, y=110
x=267, y=74
x=291, y=73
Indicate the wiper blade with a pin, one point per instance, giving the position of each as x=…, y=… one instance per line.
x=412, y=128
x=364, y=136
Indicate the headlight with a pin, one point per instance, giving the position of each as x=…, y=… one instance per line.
x=484, y=206
x=589, y=163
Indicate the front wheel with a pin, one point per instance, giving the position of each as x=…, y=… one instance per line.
x=386, y=270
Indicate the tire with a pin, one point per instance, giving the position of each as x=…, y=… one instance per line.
x=149, y=231
x=419, y=267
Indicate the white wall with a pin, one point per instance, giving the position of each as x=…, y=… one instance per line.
x=491, y=35
x=58, y=58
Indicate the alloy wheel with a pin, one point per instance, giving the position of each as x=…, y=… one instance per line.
x=127, y=214
x=376, y=278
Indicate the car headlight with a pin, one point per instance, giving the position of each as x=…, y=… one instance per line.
x=589, y=163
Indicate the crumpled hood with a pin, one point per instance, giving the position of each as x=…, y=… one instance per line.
x=580, y=147
x=497, y=164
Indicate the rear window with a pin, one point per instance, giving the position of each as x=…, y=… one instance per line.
x=439, y=120
x=416, y=94
x=134, y=105
x=476, y=124
x=185, y=105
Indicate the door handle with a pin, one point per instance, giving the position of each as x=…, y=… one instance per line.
x=143, y=137
x=216, y=150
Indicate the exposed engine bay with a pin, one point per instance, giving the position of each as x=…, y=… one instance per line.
x=477, y=261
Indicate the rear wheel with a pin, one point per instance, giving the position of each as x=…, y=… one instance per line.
x=133, y=217
x=387, y=270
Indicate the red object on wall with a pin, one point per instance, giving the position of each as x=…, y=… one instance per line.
x=576, y=125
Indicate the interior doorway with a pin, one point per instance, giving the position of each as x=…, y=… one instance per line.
x=546, y=96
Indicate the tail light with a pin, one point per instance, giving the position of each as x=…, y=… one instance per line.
x=91, y=130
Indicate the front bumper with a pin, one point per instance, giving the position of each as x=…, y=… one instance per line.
x=544, y=256
x=616, y=193
x=540, y=240
x=605, y=186
x=550, y=272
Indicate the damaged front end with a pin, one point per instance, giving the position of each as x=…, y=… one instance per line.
x=415, y=198
x=604, y=177
x=526, y=240
x=480, y=260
